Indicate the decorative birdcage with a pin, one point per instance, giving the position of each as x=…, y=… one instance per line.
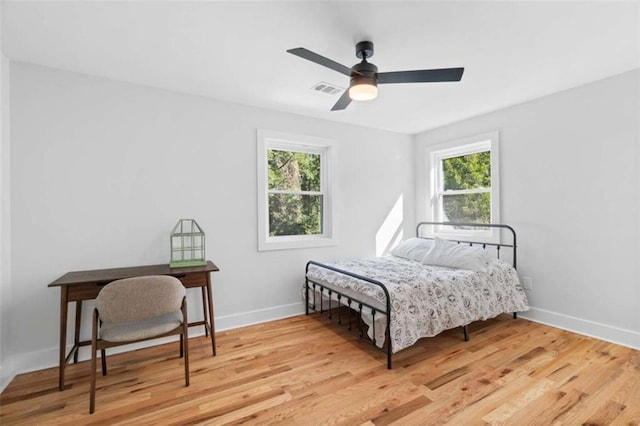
x=187, y=244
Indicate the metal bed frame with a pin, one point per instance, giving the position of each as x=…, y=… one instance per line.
x=355, y=326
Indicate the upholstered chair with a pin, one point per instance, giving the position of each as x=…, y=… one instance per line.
x=137, y=309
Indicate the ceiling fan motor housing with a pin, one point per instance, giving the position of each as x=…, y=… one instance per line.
x=367, y=74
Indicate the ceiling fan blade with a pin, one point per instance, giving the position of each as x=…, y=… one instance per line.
x=320, y=60
x=421, y=76
x=343, y=102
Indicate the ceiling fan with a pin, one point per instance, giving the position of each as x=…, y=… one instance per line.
x=365, y=76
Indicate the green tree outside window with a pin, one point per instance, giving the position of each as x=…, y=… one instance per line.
x=295, y=193
x=466, y=195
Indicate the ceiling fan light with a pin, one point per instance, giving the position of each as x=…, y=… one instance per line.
x=364, y=91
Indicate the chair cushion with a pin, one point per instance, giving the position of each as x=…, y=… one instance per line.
x=140, y=330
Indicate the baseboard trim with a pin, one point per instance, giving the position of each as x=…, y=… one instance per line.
x=6, y=377
x=47, y=358
x=617, y=335
x=244, y=319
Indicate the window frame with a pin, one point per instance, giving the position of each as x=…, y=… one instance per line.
x=272, y=140
x=457, y=148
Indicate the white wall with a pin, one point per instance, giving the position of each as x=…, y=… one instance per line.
x=102, y=170
x=6, y=359
x=569, y=185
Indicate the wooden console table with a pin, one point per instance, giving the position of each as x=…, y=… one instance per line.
x=85, y=285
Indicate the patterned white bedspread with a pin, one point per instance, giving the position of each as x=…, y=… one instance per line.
x=426, y=300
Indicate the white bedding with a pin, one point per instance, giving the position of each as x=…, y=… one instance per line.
x=426, y=300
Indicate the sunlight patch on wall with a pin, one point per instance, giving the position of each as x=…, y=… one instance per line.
x=390, y=232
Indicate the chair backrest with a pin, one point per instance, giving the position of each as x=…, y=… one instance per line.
x=139, y=298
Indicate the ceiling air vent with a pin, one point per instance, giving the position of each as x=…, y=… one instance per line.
x=327, y=88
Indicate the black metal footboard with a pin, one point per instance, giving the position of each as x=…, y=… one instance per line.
x=336, y=315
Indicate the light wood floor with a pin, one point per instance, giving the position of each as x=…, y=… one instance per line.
x=303, y=371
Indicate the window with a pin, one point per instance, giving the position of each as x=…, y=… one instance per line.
x=294, y=198
x=465, y=184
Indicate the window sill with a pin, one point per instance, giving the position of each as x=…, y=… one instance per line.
x=288, y=243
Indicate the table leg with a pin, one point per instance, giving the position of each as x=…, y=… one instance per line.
x=63, y=334
x=76, y=337
x=204, y=311
x=211, y=320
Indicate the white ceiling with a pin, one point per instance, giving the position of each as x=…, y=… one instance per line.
x=511, y=51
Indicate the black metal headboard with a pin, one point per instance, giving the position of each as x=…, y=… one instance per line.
x=511, y=244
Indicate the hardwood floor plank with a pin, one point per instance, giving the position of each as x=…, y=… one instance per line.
x=390, y=416
x=448, y=377
x=303, y=371
x=455, y=397
x=551, y=407
x=518, y=382
x=360, y=402
x=605, y=414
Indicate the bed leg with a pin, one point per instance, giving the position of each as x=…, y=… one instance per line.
x=306, y=297
x=465, y=329
x=515, y=315
x=388, y=333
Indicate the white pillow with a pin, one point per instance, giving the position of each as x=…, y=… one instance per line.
x=454, y=255
x=413, y=249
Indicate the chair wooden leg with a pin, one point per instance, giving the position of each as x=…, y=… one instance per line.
x=181, y=345
x=185, y=339
x=103, y=358
x=94, y=351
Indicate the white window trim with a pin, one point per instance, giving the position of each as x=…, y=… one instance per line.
x=456, y=148
x=268, y=139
